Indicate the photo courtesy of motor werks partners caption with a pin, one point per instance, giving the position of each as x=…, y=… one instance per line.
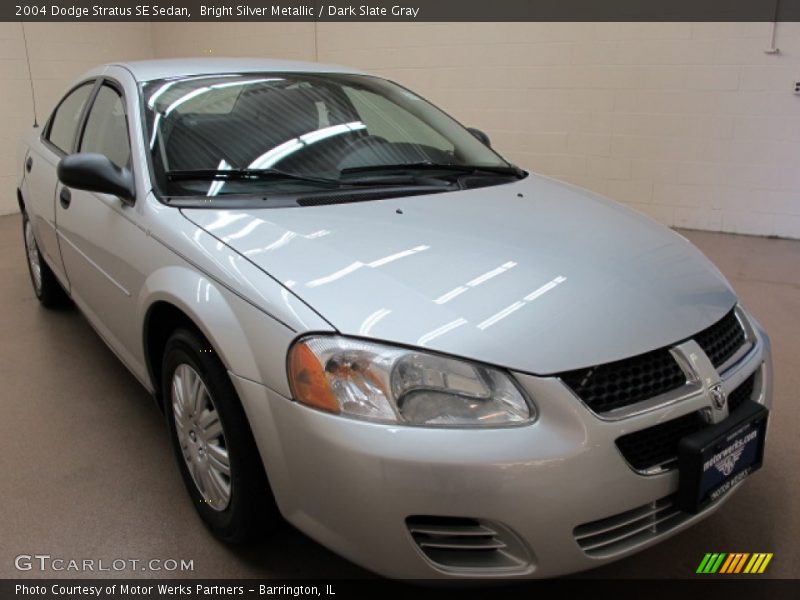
x=77, y=590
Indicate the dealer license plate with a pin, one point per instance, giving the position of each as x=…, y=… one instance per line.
x=715, y=459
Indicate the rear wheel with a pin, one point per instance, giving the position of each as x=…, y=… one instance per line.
x=45, y=285
x=212, y=441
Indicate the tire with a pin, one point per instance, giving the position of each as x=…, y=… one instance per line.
x=202, y=438
x=45, y=285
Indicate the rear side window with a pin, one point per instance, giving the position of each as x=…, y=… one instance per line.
x=65, y=119
x=106, y=130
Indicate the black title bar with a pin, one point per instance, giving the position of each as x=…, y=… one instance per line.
x=402, y=10
x=732, y=588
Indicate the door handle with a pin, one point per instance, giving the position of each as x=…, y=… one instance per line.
x=65, y=197
x=29, y=164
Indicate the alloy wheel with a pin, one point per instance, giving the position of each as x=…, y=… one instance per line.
x=201, y=437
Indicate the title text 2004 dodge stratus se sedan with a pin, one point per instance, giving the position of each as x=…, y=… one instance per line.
x=358, y=315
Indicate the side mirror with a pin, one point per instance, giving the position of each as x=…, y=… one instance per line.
x=96, y=173
x=481, y=136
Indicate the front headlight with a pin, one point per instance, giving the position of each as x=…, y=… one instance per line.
x=398, y=385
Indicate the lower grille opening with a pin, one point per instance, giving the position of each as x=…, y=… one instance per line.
x=463, y=544
x=743, y=393
x=626, y=530
x=656, y=448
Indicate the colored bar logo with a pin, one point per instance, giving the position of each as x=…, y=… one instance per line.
x=734, y=562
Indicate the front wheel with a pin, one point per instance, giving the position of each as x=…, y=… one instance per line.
x=212, y=441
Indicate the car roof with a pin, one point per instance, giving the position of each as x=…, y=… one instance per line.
x=146, y=70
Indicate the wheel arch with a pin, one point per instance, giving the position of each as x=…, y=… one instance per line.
x=249, y=342
x=160, y=321
x=175, y=297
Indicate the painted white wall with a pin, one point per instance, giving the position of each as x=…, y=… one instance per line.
x=691, y=123
x=58, y=52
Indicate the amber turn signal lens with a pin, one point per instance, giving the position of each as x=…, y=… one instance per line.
x=307, y=380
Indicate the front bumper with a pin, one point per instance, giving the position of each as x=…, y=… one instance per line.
x=351, y=485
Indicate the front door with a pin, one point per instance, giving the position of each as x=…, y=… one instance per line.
x=99, y=235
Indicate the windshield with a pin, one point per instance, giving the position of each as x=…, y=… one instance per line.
x=288, y=132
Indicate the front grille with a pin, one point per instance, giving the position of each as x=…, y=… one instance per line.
x=657, y=446
x=625, y=382
x=629, y=529
x=622, y=383
x=455, y=543
x=742, y=393
x=721, y=341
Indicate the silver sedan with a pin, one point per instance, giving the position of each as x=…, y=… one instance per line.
x=356, y=314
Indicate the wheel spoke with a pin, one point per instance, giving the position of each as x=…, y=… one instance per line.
x=196, y=473
x=181, y=424
x=219, y=490
x=180, y=429
x=210, y=424
x=197, y=393
x=218, y=459
x=177, y=401
x=214, y=491
x=179, y=381
x=178, y=407
x=179, y=404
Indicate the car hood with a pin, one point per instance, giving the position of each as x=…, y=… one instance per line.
x=537, y=276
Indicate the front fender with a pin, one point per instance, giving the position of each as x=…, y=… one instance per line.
x=249, y=342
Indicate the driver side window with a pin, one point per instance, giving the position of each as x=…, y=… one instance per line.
x=65, y=119
x=106, y=130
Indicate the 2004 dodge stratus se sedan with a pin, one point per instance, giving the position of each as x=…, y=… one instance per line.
x=358, y=315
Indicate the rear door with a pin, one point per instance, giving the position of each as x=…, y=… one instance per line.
x=58, y=139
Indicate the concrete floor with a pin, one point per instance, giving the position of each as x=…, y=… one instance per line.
x=87, y=471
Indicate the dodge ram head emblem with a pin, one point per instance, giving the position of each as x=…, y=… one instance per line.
x=718, y=398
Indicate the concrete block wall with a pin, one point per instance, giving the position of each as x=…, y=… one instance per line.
x=294, y=41
x=58, y=53
x=691, y=123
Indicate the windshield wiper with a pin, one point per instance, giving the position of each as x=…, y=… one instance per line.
x=244, y=175
x=397, y=177
x=393, y=179
x=269, y=174
x=431, y=166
